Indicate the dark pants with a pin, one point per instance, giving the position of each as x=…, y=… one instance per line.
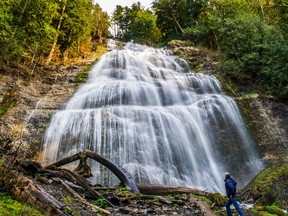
x=233, y=201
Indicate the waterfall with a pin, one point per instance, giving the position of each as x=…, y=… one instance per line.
x=146, y=111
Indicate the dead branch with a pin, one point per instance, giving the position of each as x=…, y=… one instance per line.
x=85, y=184
x=78, y=197
x=65, y=174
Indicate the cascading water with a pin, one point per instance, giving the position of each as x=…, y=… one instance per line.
x=143, y=109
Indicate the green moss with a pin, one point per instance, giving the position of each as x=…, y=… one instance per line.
x=229, y=87
x=204, y=199
x=170, y=196
x=269, y=210
x=271, y=186
x=68, y=200
x=72, y=211
x=124, y=193
x=9, y=101
x=3, y=110
x=156, y=199
x=273, y=209
x=268, y=176
x=101, y=203
x=10, y=207
x=81, y=77
x=217, y=198
x=101, y=50
x=175, y=205
x=251, y=95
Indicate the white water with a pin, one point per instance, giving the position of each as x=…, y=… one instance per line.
x=145, y=110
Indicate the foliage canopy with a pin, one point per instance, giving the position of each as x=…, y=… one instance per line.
x=252, y=33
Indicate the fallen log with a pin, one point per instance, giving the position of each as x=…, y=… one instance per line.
x=25, y=190
x=155, y=189
x=64, y=174
x=119, y=171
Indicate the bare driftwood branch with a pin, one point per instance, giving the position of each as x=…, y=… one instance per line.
x=120, y=172
x=82, y=182
x=77, y=196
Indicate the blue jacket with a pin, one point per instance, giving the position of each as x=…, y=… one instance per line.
x=230, y=186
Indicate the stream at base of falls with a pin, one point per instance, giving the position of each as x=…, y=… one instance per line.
x=145, y=110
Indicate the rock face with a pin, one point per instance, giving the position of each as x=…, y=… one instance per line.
x=35, y=99
x=266, y=117
x=201, y=60
x=268, y=120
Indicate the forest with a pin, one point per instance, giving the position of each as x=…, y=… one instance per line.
x=47, y=50
x=252, y=34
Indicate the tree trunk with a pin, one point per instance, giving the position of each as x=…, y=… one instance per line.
x=57, y=34
x=155, y=189
x=262, y=10
x=177, y=23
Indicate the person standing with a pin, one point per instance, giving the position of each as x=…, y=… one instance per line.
x=230, y=186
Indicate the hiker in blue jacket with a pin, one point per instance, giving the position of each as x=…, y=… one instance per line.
x=230, y=186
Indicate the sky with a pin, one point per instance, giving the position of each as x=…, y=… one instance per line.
x=110, y=5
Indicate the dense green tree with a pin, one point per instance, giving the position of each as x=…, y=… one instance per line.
x=173, y=16
x=100, y=25
x=76, y=25
x=144, y=29
x=62, y=5
x=136, y=23
x=252, y=34
x=27, y=27
x=117, y=20
x=8, y=47
x=281, y=10
x=35, y=29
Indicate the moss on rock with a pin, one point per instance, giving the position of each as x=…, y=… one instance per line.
x=270, y=186
x=10, y=207
x=218, y=199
